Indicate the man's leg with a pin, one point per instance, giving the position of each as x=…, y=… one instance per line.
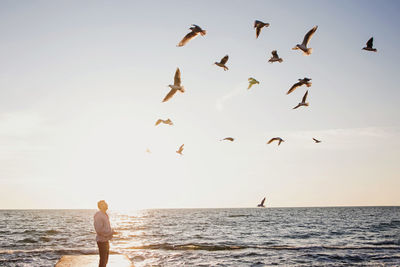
x=108, y=252
x=103, y=253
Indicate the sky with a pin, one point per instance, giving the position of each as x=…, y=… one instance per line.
x=81, y=84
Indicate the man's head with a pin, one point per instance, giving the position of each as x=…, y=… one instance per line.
x=102, y=205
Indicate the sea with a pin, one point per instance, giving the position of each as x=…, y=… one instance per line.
x=331, y=236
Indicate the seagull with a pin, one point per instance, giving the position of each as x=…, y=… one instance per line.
x=369, y=45
x=303, y=101
x=252, y=82
x=303, y=45
x=280, y=140
x=301, y=82
x=275, y=57
x=317, y=141
x=222, y=62
x=179, y=151
x=177, y=86
x=168, y=121
x=228, y=139
x=195, y=30
x=262, y=203
x=258, y=25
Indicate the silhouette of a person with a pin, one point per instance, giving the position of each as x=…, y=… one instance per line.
x=104, y=232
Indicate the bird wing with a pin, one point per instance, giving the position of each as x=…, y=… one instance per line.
x=275, y=54
x=181, y=147
x=305, y=97
x=294, y=86
x=258, y=31
x=309, y=34
x=196, y=28
x=272, y=140
x=169, y=95
x=256, y=23
x=262, y=201
x=187, y=38
x=224, y=59
x=296, y=106
x=316, y=140
x=370, y=42
x=250, y=85
x=177, y=78
x=229, y=138
x=158, y=121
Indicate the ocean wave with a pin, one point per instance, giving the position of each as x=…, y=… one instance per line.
x=49, y=250
x=211, y=247
x=189, y=246
x=51, y=232
x=27, y=240
x=301, y=236
x=386, y=242
x=44, y=239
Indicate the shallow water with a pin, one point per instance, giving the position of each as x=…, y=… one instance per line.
x=210, y=237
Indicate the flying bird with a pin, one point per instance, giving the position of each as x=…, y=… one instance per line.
x=275, y=57
x=258, y=25
x=280, y=140
x=222, y=62
x=228, y=139
x=195, y=30
x=262, y=203
x=303, y=101
x=303, y=45
x=304, y=81
x=176, y=87
x=316, y=141
x=167, y=121
x=179, y=151
x=370, y=45
x=252, y=82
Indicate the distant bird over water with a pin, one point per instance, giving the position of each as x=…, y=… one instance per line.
x=304, y=81
x=222, y=62
x=303, y=45
x=316, y=141
x=261, y=205
x=228, y=139
x=179, y=151
x=370, y=44
x=252, y=82
x=275, y=57
x=195, y=30
x=303, y=101
x=280, y=140
x=177, y=86
x=258, y=25
x=167, y=121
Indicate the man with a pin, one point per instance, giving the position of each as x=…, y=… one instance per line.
x=104, y=232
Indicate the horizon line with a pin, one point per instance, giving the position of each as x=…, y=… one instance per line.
x=255, y=207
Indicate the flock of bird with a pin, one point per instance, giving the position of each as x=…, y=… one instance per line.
x=196, y=30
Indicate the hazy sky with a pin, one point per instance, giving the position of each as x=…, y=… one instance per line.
x=81, y=84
